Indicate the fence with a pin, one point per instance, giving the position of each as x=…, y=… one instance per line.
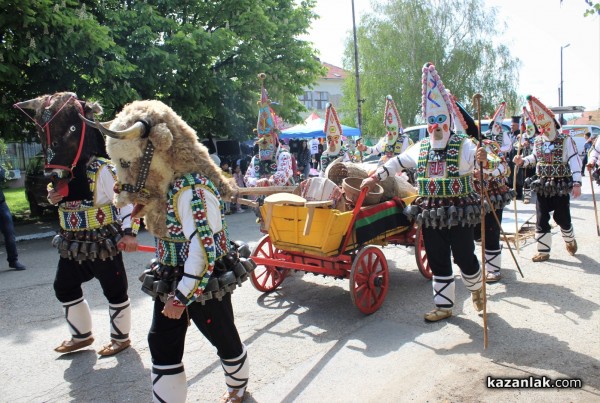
x=16, y=160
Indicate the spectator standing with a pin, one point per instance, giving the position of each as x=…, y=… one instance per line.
x=8, y=229
x=226, y=173
x=314, y=151
x=304, y=158
x=586, y=150
x=238, y=176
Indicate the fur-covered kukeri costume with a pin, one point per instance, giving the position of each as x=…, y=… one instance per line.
x=448, y=206
x=395, y=142
x=180, y=191
x=558, y=170
x=91, y=227
x=273, y=164
x=333, y=136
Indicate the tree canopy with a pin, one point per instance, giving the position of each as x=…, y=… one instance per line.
x=200, y=57
x=398, y=37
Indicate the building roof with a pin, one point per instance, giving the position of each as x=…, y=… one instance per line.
x=587, y=118
x=334, y=72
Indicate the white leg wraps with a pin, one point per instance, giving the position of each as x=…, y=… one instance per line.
x=568, y=235
x=443, y=291
x=493, y=260
x=473, y=283
x=79, y=319
x=544, y=242
x=237, y=371
x=120, y=320
x=169, y=383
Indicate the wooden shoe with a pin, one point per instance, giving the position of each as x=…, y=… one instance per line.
x=73, y=345
x=541, y=257
x=437, y=314
x=114, y=347
x=232, y=397
x=477, y=298
x=572, y=247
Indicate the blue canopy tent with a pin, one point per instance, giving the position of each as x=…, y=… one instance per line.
x=314, y=128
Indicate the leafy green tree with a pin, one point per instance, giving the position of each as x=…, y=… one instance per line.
x=400, y=36
x=594, y=8
x=48, y=46
x=200, y=57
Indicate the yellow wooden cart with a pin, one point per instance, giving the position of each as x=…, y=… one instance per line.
x=338, y=244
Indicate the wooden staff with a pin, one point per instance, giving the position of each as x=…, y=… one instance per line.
x=487, y=196
x=594, y=199
x=515, y=193
x=477, y=103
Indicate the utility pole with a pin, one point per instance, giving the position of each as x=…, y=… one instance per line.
x=358, y=100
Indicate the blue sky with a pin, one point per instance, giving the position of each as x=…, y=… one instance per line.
x=536, y=30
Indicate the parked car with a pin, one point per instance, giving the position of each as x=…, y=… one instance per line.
x=577, y=132
x=416, y=133
x=36, y=184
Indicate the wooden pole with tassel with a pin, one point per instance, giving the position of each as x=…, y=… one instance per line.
x=515, y=174
x=477, y=103
x=594, y=199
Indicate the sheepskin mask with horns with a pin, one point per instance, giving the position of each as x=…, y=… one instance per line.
x=175, y=151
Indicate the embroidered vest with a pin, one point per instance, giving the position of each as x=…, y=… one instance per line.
x=82, y=214
x=450, y=184
x=173, y=250
x=549, y=157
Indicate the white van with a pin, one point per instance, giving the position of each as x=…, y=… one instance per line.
x=577, y=132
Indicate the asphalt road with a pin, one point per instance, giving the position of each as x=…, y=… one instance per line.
x=308, y=343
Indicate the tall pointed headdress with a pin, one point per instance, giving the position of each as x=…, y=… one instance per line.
x=333, y=130
x=437, y=108
x=543, y=118
x=392, y=122
x=463, y=121
x=265, y=127
x=527, y=125
x=496, y=123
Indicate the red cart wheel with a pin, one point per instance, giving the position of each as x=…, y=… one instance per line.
x=369, y=279
x=266, y=278
x=421, y=255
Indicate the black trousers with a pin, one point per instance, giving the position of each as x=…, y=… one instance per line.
x=8, y=230
x=443, y=244
x=560, y=205
x=111, y=274
x=214, y=319
x=492, y=231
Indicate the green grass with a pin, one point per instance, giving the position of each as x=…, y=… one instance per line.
x=17, y=203
x=19, y=207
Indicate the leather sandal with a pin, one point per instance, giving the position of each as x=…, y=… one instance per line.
x=492, y=277
x=232, y=397
x=73, y=345
x=572, y=247
x=477, y=298
x=541, y=257
x=437, y=314
x=114, y=347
